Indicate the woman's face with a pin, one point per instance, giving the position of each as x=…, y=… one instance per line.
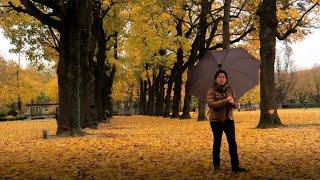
x=221, y=79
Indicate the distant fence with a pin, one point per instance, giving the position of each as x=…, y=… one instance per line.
x=253, y=107
x=42, y=111
x=125, y=108
x=36, y=111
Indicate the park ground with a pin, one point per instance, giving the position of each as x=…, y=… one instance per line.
x=142, y=147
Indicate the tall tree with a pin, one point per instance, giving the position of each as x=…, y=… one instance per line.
x=269, y=31
x=69, y=19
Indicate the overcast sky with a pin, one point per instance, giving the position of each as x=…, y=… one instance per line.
x=306, y=53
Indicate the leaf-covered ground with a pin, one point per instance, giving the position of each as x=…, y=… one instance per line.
x=159, y=148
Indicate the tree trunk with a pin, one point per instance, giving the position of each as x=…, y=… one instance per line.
x=101, y=89
x=178, y=76
x=93, y=70
x=154, y=90
x=205, y=10
x=86, y=73
x=160, y=94
x=110, y=78
x=109, y=84
x=187, y=102
x=177, y=86
x=143, y=98
x=150, y=101
x=202, y=111
x=268, y=27
x=69, y=73
x=167, y=101
x=226, y=22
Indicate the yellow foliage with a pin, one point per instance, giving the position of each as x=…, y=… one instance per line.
x=125, y=85
x=28, y=85
x=141, y=147
x=51, y=89
x=253, y=96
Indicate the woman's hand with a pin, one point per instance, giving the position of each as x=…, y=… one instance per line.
x=230, y=99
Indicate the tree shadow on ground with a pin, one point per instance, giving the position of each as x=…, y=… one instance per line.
x=292, y=126
x=295, y=126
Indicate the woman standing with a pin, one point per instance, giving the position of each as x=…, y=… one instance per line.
x=221, y=103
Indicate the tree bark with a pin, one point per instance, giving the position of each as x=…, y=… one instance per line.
x=150, y=101
x=268, y=27
x=154, y=89
x=167, y=101
x=187, y=102
x=205, y=10
x=178, y=76
x=69, y=72
x=143, y=98
x=86, y=72
x=177, y=85
x=109, y=85
x=111, y=70
x=202, y=111
x=101, y=78
x=226, y=22
x=160, y=94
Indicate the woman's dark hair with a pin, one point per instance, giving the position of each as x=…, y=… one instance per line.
x=221, y=71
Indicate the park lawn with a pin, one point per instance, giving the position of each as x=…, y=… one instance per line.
x=131, y=147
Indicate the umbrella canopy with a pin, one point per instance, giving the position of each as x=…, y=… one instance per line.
x=242, y=69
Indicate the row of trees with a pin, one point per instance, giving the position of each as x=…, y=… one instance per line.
x=172, y=36
x=309, y=89
x=293, y=85
x=158, y=42
x=175, y=36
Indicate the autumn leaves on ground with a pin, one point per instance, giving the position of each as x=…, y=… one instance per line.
x=150, y=147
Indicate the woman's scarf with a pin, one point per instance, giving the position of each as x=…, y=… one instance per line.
x=221, y=88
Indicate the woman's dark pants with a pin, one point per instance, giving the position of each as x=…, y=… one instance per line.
x=228, y=128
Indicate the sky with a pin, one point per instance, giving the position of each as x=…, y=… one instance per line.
x=5, y=46
x=306, y=53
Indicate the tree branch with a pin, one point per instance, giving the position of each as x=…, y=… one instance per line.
x=213, y=31
x=219, y=45
x=32, y=10
x=55, y=38
x=56, y=6
x=292, y=29
x=241, y=8
x=106, y=11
